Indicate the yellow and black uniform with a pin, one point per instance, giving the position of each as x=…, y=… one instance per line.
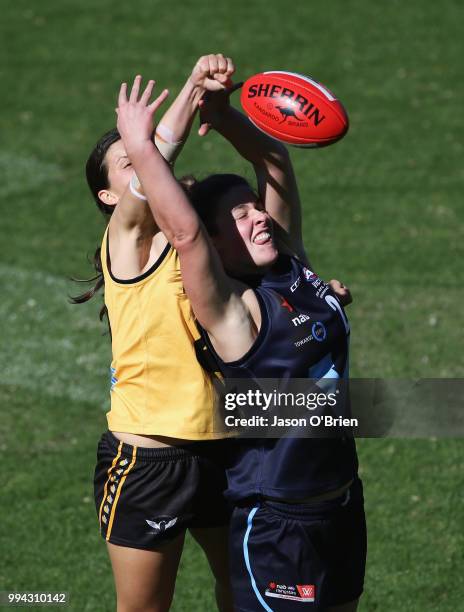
x=157, y=385
x=144, y=495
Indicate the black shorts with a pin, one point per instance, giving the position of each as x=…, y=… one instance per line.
x=311, y=553
x=145, y=496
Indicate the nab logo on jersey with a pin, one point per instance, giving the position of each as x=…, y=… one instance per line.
x=300, y=319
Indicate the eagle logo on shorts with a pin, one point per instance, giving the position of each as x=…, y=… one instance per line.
x=163, y=523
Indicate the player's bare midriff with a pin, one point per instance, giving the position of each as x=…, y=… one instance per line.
x=150, y=441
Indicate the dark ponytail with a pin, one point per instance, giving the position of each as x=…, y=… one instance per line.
x=96, y=172
x=87, y=295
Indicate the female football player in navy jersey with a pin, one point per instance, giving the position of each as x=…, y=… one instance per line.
x=298, y=528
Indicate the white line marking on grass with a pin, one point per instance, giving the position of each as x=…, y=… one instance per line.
x=22, y=173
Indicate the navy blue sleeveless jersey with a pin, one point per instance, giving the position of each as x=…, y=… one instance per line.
x=304, y=334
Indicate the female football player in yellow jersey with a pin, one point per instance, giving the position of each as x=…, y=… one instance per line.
x=159, y=466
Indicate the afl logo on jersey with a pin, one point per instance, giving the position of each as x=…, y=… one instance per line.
x=309, y=275
x=319, y=331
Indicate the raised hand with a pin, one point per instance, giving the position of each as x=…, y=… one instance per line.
x=212, y=72
x=135, y=115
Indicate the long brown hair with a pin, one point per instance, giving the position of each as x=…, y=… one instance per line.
x=96, y=171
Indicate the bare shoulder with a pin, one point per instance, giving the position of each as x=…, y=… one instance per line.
x=134, y=252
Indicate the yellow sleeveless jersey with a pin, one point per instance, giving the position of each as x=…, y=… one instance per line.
x=157, y=385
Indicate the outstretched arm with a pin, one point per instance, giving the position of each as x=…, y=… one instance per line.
x=274, y=172
x=217, y=306
x=210, y=73
x=132, y=225
x=271, y=161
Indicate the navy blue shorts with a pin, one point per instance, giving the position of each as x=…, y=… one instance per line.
x=146, y=496
x=288, y=554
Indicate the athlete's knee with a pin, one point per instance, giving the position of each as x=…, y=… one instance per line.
x=135, y=596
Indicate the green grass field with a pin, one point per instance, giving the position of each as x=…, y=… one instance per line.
x=382, y=211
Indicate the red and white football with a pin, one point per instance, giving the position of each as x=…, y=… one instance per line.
x=294, y=109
